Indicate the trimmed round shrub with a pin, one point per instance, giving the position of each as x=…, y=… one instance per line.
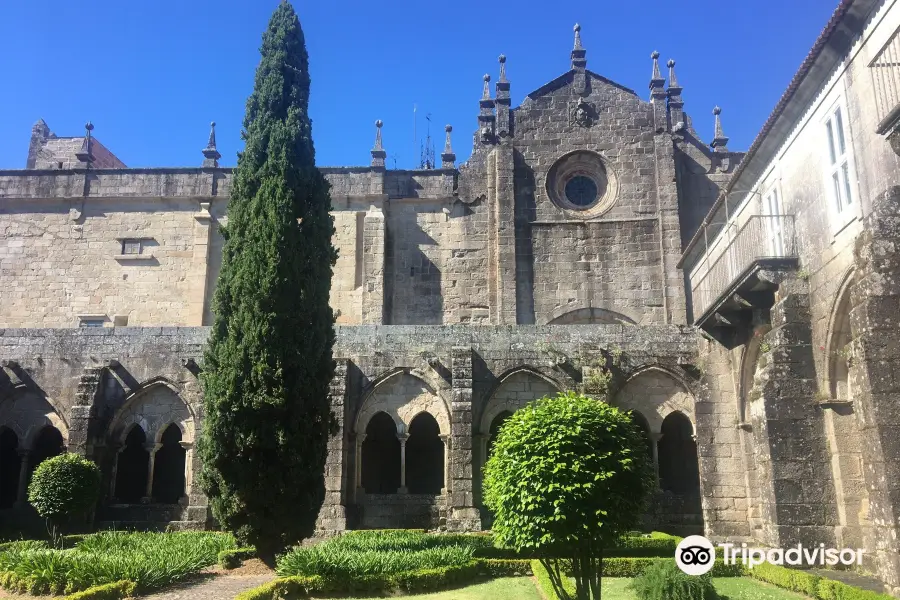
x=665, y=581
x=567, y=477
x=64, y=487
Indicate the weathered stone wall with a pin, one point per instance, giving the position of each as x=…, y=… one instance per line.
x=615, y=261
x=92, y=384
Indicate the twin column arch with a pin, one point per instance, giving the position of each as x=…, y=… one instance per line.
x=662, y=405
x=402, y=435
x=31, y=431
x=153, y=437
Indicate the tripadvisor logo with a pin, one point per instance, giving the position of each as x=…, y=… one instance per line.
x=696, y=555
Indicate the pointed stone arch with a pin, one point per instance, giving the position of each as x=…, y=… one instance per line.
x=154, y=404
x=656, y=392
x=838, y=336
x=748, y=366
x=581, y=313
x=505, y=395
x=843, y=425
x=403, y=394
x=26, y=412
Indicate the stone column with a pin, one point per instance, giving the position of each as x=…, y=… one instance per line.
x=24, y=461
x=338, y=483
x=403, y=437
x=654, y=450
x=360, y=440
x=188, y=471
x=153, y=449
x=463, y=514
x=83, y=412
x=199, y=263
x=875, y=351
x=798, y=503
x=445, y=438
x=503, y=232
x=373, y=266
x=116, y=450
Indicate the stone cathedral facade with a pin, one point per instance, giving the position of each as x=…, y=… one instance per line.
x=747, y=304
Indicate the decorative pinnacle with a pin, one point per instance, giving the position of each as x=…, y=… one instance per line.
x=656, y=79
x=448, y=158
x=673, y=82
x=212, y=136
x=578, y=53
x=720, y=140
x=447, y=147
x=211, y=156
x=487, y=89
x=378, y=144
x=502, y=68
x=378, y=153
x=86, y=154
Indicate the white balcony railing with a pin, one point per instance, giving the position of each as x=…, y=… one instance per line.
x=760, y=238
x=885, y=69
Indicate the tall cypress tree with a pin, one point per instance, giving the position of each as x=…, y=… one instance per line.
x=268, y=362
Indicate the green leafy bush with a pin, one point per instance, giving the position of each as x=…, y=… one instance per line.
x=109, y=591
x=663, y=580
x=333, y=562
x=150, y=560
x=232, y=559
x=63, y=488
x=810, y=584
x=567, y=477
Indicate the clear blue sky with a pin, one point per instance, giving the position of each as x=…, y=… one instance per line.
x=152, y=75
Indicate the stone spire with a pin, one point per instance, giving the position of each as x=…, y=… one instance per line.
x=503, y=100
x=720, y=140
x=211, y=156
x=579, y=62
x=86, y=153
x=657, y=81
x=676, y=105
x=486, y=114
x=448, y=158
x=378, y=152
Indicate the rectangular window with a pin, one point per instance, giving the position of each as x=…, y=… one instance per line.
x=838, y=161
x=132, y=247
x=90, y=323
x=774, y=225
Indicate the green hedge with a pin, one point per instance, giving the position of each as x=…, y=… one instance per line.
x=232, y=559
x=810, y=584
x=410, y=582
x=109, y=591
x=546, y=584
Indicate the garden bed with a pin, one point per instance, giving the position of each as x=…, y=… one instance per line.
x=134, y=562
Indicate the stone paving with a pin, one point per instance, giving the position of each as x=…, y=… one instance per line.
x=217, y=587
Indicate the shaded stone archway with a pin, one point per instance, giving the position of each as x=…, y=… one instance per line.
x=380, y=456
x=10, y=467
x=168, y=467
x=47, y=444
x=424, y=456
x=132, y=467
x=679, y=470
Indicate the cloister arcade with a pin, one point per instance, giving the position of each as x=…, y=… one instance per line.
x=150, y=439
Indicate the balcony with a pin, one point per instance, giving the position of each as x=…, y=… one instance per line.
x=732, y=286
x=885, y=69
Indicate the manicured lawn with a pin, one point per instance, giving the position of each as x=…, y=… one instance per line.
x=741, y=588
x=507, y=588
x=523, y=588
x=734, y=588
